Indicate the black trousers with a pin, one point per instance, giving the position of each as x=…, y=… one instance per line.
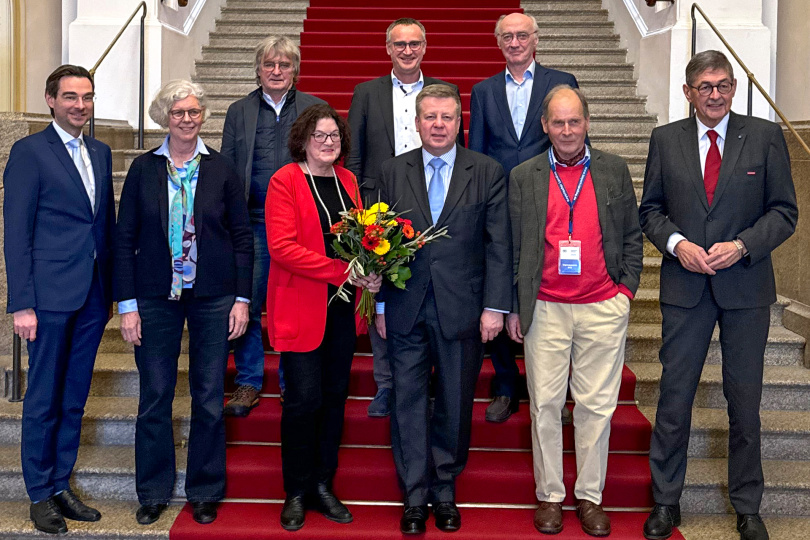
x=430, y=451
x=162, y=330
x=686, y=336
x=317, y=384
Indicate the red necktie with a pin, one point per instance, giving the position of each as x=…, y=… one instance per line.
x=712, y=170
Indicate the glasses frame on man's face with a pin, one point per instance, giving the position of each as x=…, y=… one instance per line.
x=522, y=37
x=320, y=137
x=399, y=46
x=282, y=66
x=707, y=89
x=180, y=114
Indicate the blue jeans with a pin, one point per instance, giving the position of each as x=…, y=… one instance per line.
x=248, y=350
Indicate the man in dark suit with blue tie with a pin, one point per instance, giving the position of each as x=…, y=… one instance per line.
x=461, y=286
x=718, y=199
x=59, y=215
x=505, y=125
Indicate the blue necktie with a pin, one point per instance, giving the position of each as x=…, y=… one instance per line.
x=436, y=189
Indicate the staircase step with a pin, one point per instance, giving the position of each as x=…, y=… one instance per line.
x=784, y=433
x=784, y=387
x=646, y=308
x=272, y=14
x=371, y=522
x=717, y=526
x=441, y=39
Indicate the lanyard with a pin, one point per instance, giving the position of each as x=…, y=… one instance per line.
x=565, y=195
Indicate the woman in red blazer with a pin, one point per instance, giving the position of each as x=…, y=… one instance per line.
x=316, y=338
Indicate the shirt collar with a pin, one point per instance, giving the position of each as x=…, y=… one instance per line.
x=398, y=84
x=164, y=150
x=528, y=74
x=64, y=135
x=721, y=128
x=272, y=103
x=586, y=157
x=449, y=157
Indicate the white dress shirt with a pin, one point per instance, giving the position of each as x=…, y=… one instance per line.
x=66, y=138
x=405, y=136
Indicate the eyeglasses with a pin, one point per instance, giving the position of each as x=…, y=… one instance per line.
x=320, y=136
x=522, y=37
x=74, y=98
x=415, y=46
x=282, y=66
x=706, y=89
x=179, y=114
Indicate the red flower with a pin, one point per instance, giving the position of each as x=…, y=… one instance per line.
x=403, y=221
x=374, y=231
x=339, y=227
x=407, y=230
x=370, y=242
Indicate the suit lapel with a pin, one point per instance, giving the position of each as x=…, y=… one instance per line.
x=162, y=189
x=539, y=91
x=732, y=148
x=599, y=179
x=462, y=174
x=541, y=209
x=62, y=154
x=416, y=179
x=199, y=193
x=386, y=101
x=691, y=158
x=251, y=119
x=98, y=176
x=503, y=105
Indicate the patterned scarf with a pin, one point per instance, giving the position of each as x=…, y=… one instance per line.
x=182, y=233
x=570, y=162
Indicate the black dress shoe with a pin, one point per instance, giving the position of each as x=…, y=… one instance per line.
x=204, y=512
x=149, y=513
x=413, y=520
x=72, y=508
x=330, y=506
x=47, y=518
x=292, y=514
x=751, y=527
x=501, y=409
x=447, y=516
x=661, y=521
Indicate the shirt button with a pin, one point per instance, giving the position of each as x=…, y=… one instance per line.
x=710, y=218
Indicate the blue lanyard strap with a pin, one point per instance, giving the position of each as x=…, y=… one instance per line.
x=565, y=195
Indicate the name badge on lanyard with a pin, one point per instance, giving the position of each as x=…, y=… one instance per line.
x=569, y=262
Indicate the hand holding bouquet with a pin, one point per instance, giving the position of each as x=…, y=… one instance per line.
x=379, y=241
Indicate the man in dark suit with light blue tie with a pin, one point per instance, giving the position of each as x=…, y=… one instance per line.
x=505, y=125
x=59, y=215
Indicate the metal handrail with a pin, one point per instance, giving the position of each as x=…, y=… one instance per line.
x=16, y=355
x=751, y=79
x=142, y=5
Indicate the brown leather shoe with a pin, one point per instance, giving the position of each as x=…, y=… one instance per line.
x=242, y=401
x=594, y=520
x=548, y=518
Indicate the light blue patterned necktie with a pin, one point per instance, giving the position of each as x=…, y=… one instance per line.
x=76, y=154
x=436, y=189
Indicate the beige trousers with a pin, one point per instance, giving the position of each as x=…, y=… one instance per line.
x=588, y=338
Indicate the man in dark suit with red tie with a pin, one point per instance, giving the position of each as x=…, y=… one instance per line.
x=59, y=215
x=718, y=199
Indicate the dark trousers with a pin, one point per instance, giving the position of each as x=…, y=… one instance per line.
x=506, y=369
x=60, y=369
x=317, y=385
x=686, y=336
x=162, y=330
x=430, y=451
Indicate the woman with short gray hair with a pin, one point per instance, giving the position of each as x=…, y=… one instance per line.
x=170, y=195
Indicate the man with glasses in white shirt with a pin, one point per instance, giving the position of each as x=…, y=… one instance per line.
x=255, y=139
x=505, y=125
x=381, y=118
x=59, y=215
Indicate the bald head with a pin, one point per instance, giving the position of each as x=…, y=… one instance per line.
x=516, y=34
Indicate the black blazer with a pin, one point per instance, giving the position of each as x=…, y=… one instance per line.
x=371, y=119
x=239, y=131
x=754, y=201
x=472, y=268
x=52, y=234
x=143, y=262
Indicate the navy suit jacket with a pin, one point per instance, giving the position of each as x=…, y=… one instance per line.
x=51, y=231
x=491, y=129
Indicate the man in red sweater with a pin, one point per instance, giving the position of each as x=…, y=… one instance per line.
x=577, y=258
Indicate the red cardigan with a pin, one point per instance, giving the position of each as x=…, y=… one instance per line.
x=299, y=267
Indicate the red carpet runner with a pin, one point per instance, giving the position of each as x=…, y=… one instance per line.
x=343, y=45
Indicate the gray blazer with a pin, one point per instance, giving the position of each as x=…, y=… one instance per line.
x=239, y=132
x=371, y=118
x=618, y=217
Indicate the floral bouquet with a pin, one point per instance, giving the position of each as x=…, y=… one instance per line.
x=378, y=240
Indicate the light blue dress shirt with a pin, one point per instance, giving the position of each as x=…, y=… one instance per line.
x=518, y=96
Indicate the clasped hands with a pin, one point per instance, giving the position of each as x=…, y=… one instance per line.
x=696, y=259
x=372, y=282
